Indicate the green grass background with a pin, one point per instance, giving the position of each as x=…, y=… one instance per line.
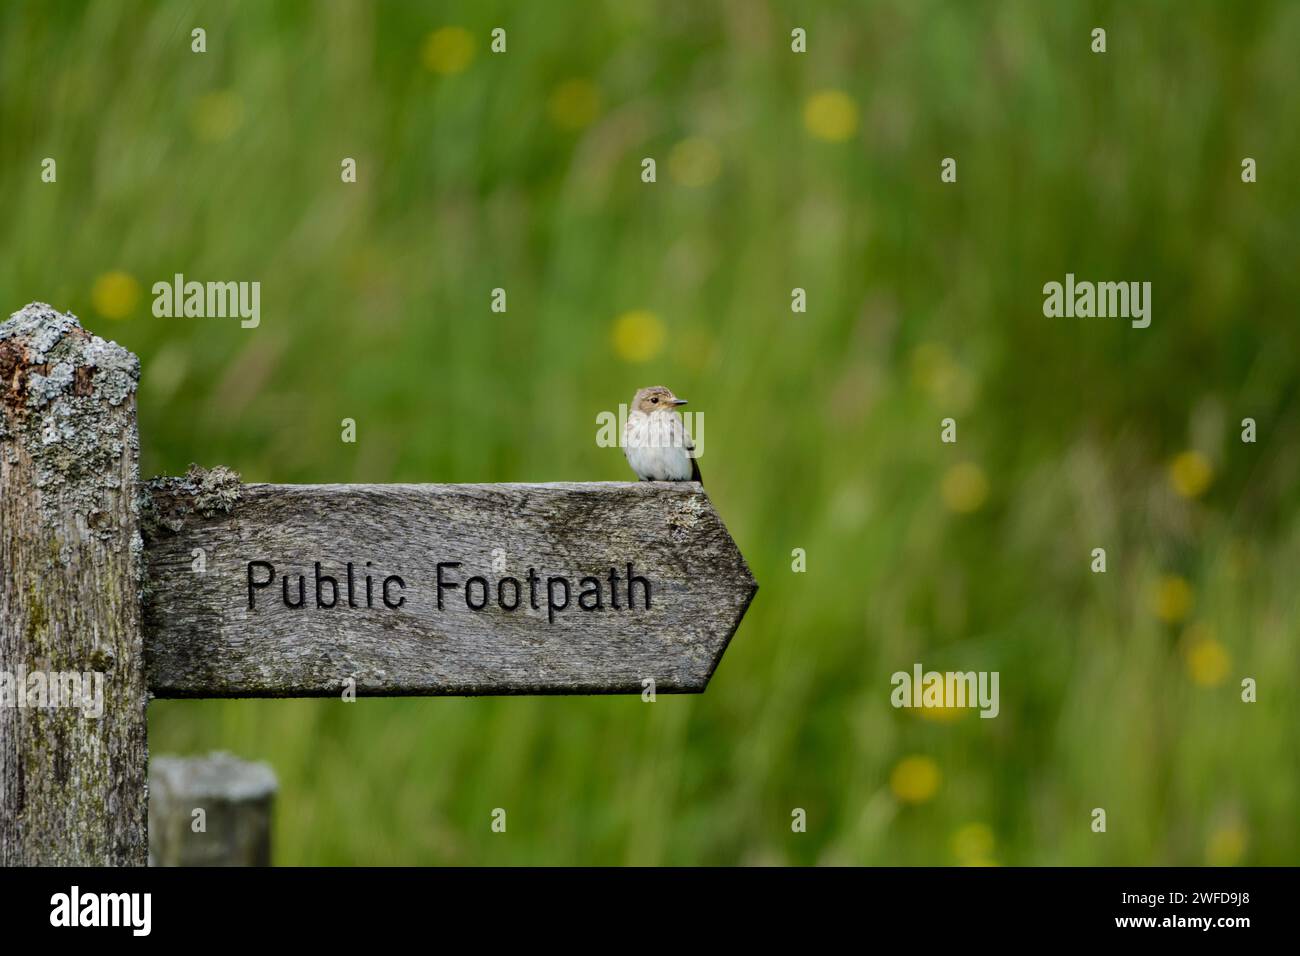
x=822, y=428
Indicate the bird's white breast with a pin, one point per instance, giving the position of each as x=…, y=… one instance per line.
x=656, y=446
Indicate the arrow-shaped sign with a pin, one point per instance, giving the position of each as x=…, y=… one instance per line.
x=306, y=590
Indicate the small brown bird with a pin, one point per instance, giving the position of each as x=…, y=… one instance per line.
x=655, y=440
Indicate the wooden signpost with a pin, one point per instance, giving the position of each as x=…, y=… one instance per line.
x=202, y=586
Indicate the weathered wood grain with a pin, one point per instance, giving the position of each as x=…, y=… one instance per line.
x=203, y=640
x=72, y=784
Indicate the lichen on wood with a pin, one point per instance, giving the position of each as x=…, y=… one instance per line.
x=72, y=786
x=166, y=503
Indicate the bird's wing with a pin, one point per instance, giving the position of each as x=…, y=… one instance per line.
x=695, y=462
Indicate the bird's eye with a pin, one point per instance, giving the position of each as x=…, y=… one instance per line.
x=654, y=401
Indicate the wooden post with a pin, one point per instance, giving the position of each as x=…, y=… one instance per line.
x=609, y=588
x=210, y=811
x=73, y=750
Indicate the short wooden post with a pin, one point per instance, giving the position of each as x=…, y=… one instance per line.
x=73, y=749
x=210, y=811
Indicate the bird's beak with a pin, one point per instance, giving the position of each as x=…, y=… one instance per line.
x=679, y=401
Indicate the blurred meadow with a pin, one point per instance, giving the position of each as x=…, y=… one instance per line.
x=776, y=170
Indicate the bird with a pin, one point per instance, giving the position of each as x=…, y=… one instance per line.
x=654, y=439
